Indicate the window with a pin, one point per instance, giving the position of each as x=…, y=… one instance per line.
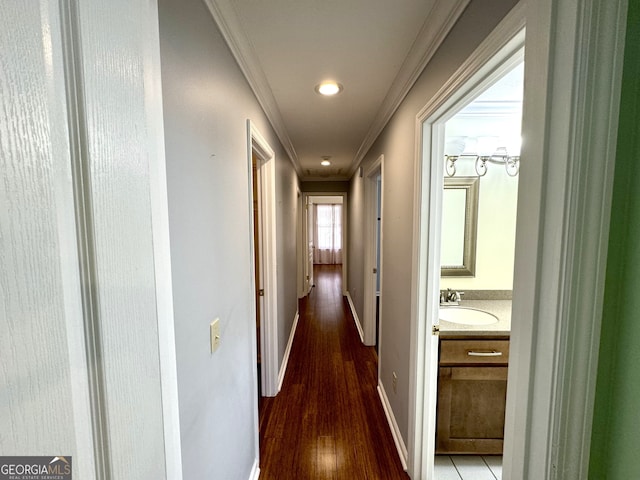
x=328, y=233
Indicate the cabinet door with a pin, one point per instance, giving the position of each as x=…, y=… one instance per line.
x=471, y=409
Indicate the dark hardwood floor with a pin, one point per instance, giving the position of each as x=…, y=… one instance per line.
x=327, y=422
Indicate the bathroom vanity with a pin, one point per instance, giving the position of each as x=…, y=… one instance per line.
x=472, y=383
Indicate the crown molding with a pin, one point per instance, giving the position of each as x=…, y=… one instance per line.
x=441, y=19
x=226, y=17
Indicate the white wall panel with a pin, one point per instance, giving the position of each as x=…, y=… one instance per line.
x=44, y=404
x=115, y=61
x=80, y=325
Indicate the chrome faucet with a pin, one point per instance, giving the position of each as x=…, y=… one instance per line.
x=450, y=297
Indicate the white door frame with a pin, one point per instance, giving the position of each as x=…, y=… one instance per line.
x=308, y=264
x=560, y=256
x=482, y=68
x=573, y=72
x=300, y=245
x=267, y=217
x=306, y=196
x=370, y=253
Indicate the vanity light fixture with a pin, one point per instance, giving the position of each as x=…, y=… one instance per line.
x=329, y=88
x=500, y=157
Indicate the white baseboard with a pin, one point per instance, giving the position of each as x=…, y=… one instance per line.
x=356, y=319
x=395, y=431
x=285, y=360
x=255, y=471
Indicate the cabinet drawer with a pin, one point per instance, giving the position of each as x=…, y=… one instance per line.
x=474, y=352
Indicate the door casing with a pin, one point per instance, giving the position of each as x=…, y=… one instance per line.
x=309, y=235
x=370, y=250
x=257, y=145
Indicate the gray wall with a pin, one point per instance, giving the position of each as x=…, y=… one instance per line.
x=287, y=186
x=206, y=104
x=356, y=244
x=397, y=143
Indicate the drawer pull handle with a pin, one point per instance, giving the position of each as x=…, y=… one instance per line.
x=492, y=353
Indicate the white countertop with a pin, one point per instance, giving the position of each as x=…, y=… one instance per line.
x=499, y=308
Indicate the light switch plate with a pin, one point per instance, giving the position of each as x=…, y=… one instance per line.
x=215, y=334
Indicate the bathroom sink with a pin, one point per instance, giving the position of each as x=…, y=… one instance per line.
x=467, y=316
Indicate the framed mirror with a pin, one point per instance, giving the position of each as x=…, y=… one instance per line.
x=459, y=227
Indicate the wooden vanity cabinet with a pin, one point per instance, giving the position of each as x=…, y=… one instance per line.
x=472, y=390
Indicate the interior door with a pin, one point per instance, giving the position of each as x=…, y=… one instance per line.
x=258, y=266
x=378, y=249
x=372, y=254
x=84, y=210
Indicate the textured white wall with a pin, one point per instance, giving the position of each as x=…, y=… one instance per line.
x=207, y=103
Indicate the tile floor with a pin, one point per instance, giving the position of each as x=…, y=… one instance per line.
x=468, y=467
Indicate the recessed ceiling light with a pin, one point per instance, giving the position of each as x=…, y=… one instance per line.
x=329, y=88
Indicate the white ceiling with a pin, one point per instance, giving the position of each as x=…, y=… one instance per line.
x=375, y=48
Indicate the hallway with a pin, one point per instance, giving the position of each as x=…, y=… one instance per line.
x=327, y=422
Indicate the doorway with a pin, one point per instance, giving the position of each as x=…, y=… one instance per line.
x=262, y=192
x=301, y=250
x=257, y=262
x=308, y=243
x=477, y=253
x=427, y=252
x=373, y=252
x=335, y=249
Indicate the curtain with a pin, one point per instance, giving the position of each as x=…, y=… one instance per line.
x=327, y=234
